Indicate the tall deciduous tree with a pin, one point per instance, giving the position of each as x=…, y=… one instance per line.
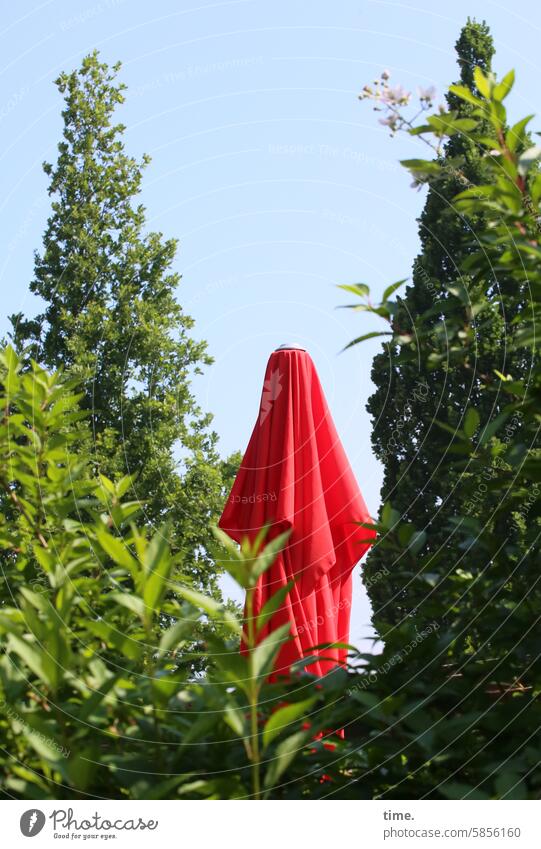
x=112, y=318
x=413, y=399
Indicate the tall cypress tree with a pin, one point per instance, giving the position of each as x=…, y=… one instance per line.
x=112, y=318
x=411, y=399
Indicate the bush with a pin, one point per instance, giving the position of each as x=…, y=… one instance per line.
x=464, y=710
x=96, y=690
x=99, y=691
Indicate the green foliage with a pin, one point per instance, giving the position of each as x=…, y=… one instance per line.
x=112, y=319
x=96, y=695
x=102, y=693
x=457, y=686
x=420, y=401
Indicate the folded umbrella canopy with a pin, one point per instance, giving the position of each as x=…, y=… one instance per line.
x=295, y=475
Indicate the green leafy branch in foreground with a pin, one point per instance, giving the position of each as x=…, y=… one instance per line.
x=481, y=586
x=96, y=695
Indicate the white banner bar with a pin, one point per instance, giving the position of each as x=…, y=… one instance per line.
x=277, y=825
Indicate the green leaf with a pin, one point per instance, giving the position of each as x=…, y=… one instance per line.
x=425, y=166
x=44, y=743
x=420, y=130
x=392, y=288
x=124, y=484
x=214, y=610
x=463, y=125
x=471, y=422
x=417, y=540
x=482, y=82
x=107, y=484
x=90, y=704
x=465, y=93
x=360, y=289
x=366, y=336
x=232, y=666
x=177, y=633
x=36, y=659
x=389, y=516
x=456, y=790
x=45, y=558
x=492, y=427
x=285, y=753
x=264, y=655
x=515, y=135
x=158, y=564
x=11, y=379
x=114, y=638
x=236, y=720
x=509, y=785
x=266, y=558
x=118, y=551
x=130, y=602
x=282, y=718
x=502, y=89
x=230, y=546
x=38, y=600
x=473, y=194
x=272, y=605
x=164, y=685
x=199, y=729
x=354, y=307
x=449, y=124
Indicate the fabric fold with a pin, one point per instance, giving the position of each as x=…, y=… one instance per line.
x=295, y=474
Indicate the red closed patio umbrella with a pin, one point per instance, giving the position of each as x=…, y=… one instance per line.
x=295, y=475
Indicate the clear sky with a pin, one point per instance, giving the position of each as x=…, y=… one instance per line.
x=278, y=182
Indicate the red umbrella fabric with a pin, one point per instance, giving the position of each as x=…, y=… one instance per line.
x=295, y=475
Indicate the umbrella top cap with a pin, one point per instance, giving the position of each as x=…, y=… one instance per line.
x=292, y=347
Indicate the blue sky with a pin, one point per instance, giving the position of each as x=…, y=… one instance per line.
x=278, y=182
